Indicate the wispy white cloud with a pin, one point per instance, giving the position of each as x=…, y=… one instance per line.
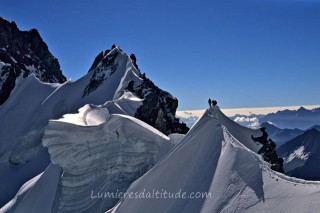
x=252, y=122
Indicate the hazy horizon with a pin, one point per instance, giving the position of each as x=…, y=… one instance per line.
x=245, y=111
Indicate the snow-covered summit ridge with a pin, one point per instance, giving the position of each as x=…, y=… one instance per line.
x=211, y=159
x=240, y=132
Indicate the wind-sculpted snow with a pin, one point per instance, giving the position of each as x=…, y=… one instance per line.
x=39, y=102
x=212, y=161
x=101, y=158
x=26, y=113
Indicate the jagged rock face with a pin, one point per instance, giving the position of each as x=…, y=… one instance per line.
x=268, y=151
x=23, y=53
x=107, y=66
x=158, y=108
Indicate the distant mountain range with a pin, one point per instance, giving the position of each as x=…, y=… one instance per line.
x=301, y=118
x=281, y=136
x=302, y=155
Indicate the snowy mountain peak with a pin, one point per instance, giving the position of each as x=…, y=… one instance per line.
x=157, y=105
x=239, y=131
x=302, y=109
x=301, y=118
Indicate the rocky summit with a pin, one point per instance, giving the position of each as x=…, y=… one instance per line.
x=158, y=107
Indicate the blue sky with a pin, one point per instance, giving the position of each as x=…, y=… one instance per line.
x=248, y=53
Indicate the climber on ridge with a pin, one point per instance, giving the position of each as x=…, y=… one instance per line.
x=214, y=103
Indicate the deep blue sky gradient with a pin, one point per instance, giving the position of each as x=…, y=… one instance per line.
x=244, y=53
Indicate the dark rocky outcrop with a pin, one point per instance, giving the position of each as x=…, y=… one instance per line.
x=23, y=53
x=134, y=61
x=159, y=109
x=268, y=151
x=108, y=62
x=96, y=61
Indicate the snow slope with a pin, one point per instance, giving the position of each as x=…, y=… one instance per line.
x=13, y=117
x=28, y=200
x=213, y=159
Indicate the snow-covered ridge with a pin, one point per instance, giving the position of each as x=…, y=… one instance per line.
x=210, y=159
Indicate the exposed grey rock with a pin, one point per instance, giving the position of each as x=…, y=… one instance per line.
x=23, y=53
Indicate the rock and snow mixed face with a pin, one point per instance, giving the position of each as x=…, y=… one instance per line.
x=23, y=53
x=107, y=82
x=51, y=101
x=32, y=104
